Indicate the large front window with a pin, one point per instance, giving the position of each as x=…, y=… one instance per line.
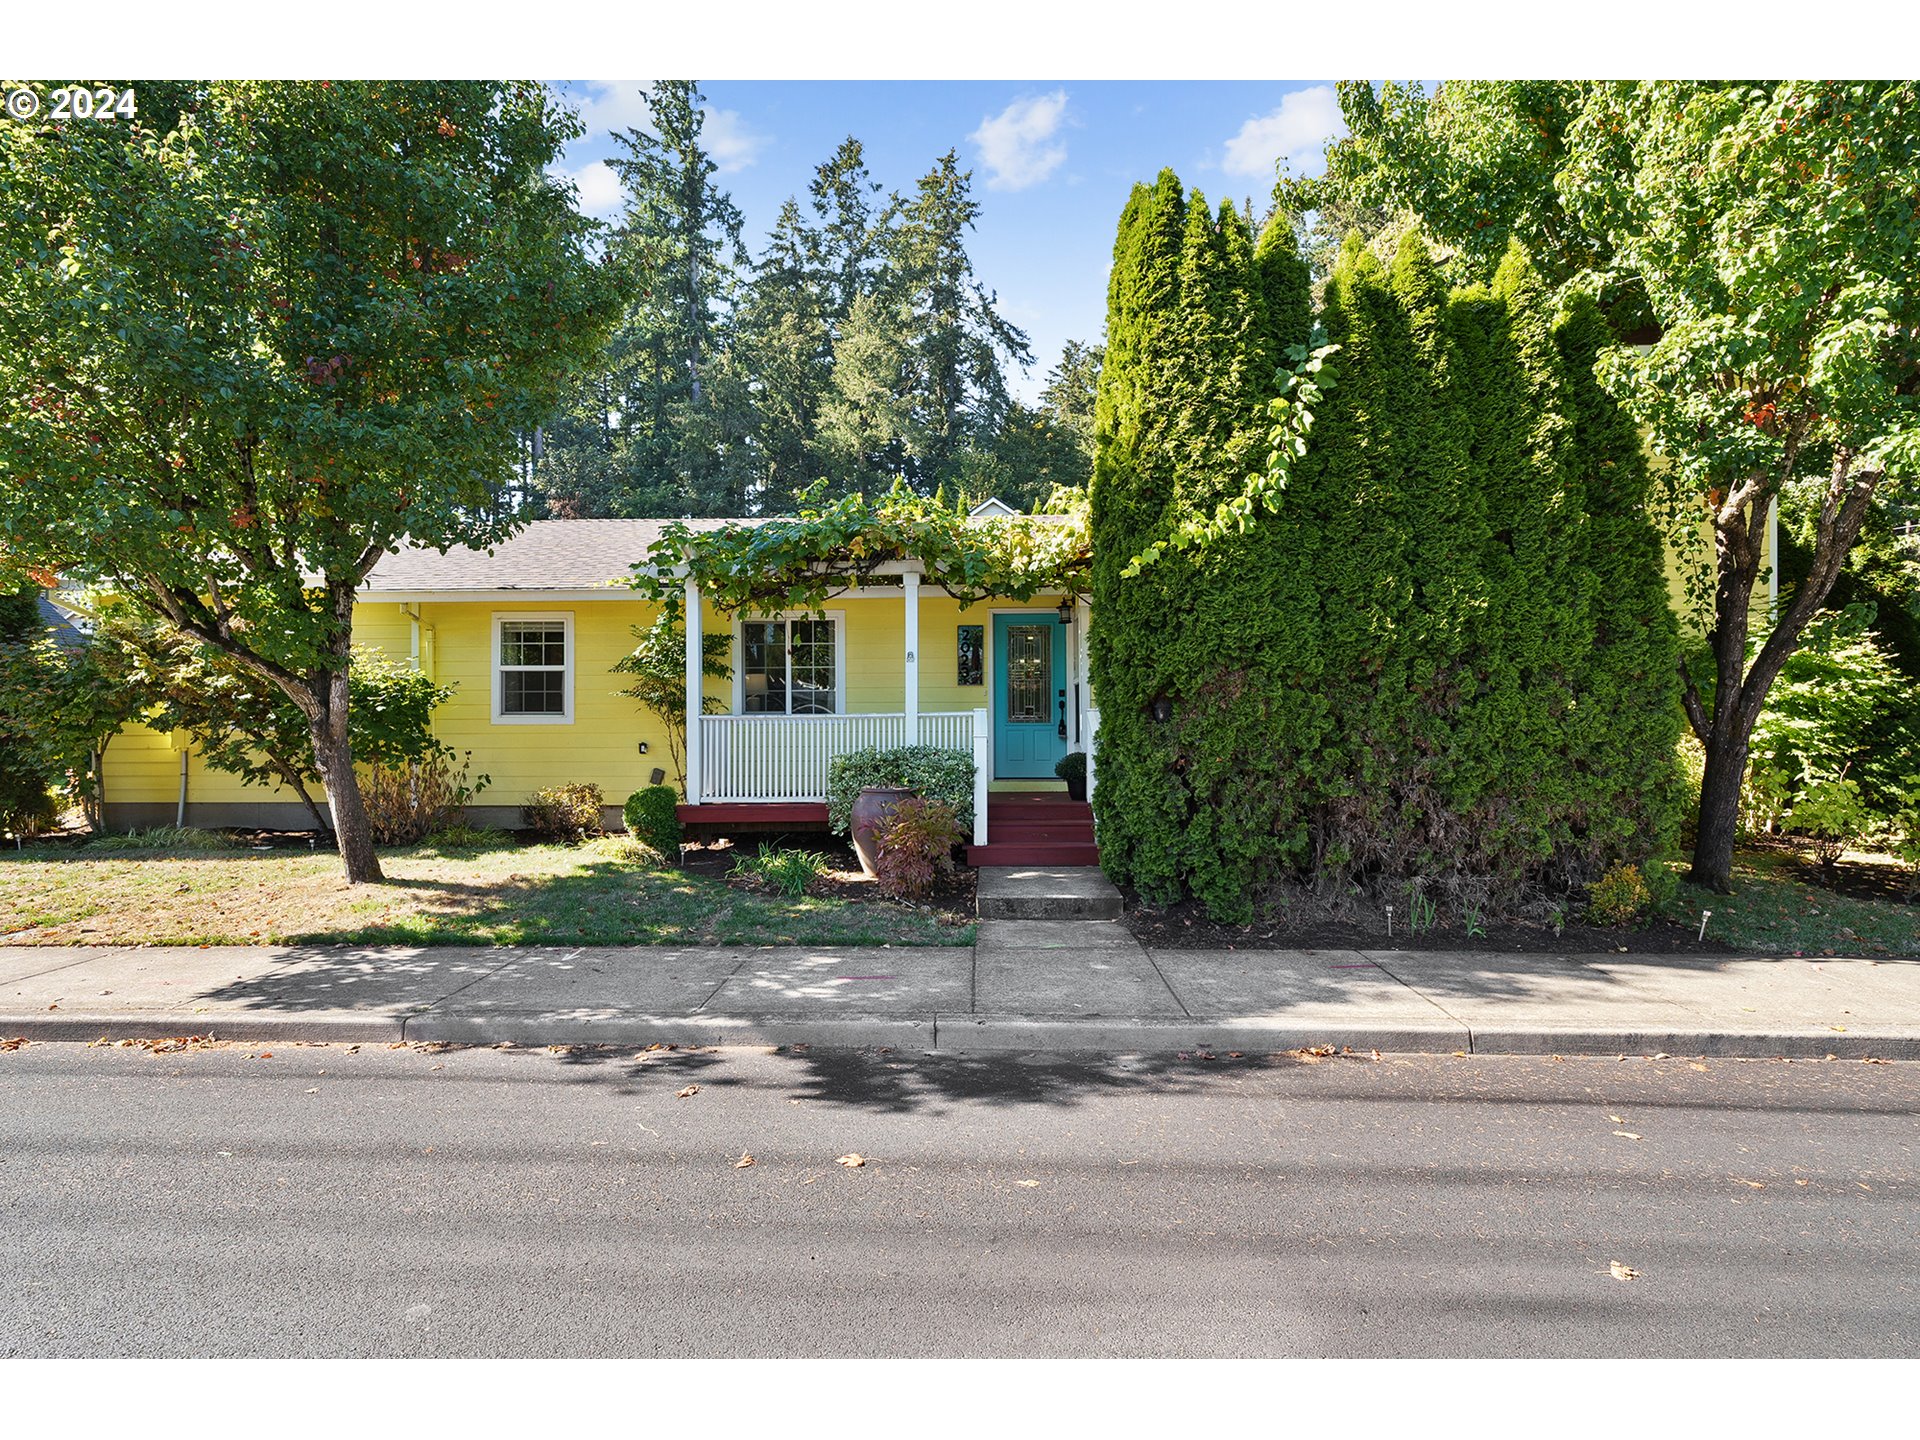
x=533, y=669
x=787, y=667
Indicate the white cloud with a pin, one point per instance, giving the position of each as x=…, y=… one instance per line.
x=599, y=187
x=1015, y=143
x=733, y=144
x=609, y=105
x=1295, y=132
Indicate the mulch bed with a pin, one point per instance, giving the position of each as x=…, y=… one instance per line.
x=952, y=899
x=1185, y=927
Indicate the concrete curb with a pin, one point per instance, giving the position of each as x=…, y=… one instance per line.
x=957, y=1033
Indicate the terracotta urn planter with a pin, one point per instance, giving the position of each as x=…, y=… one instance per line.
x=872, y=808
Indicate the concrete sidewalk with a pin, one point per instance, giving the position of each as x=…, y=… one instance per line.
x=1028, y=984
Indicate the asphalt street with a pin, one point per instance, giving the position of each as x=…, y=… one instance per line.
x=374, y=1201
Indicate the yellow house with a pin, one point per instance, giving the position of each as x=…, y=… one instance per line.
x=528, y=634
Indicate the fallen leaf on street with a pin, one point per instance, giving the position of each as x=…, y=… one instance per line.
x=1028, y=1184
x=14, y=1044
x=852, y=1162
x=1618, y=1119
x=1750, y=1184
x=1626, y=1135
x=1696, y=1065
x=1622, y=1272
x=683, y=1094
x=744, y=1162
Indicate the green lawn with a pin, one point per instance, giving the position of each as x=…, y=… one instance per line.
x=1772, y=911
x=532, y=895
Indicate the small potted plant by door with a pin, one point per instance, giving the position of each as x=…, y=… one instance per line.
x=873, y=807
x=1072, y=768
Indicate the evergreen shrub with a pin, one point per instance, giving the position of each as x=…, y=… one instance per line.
x=1443, y=655
x=1618, y=897
x=943, y=775
x=653, y=816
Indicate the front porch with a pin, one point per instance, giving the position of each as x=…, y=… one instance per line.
x=765, y=771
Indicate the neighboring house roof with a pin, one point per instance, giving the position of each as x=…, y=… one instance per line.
x=64, y=627
x=993, y=506
x=546, y=555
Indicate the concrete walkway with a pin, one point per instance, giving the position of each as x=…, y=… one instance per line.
x=1027, y=984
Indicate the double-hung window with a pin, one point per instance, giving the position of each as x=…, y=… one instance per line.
x=790, y=666
x=533, y=669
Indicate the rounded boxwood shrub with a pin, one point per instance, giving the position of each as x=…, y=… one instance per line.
x=653, y=815
x=943, y=775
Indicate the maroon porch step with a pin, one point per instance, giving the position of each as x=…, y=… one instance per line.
x=1036, y=828
x=1031, y=832
x=1057, y=855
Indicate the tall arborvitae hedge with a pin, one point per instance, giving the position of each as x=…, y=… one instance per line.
x=1627, y=717
x=1419, y=668
x=1136, y=420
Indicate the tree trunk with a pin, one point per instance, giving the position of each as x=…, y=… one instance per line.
x=1719, y=818
x=93, y=795
x=333, y=753
x=1741, y=690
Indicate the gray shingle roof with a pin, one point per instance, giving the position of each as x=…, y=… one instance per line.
x=546, y=555
x=59, y=621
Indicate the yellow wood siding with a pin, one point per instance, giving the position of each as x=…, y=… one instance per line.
x=600, y=745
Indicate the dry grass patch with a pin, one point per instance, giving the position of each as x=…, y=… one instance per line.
x=510, y=895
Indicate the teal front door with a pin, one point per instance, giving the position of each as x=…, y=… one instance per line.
x=1030, y=694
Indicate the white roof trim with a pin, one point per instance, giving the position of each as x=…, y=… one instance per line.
x=992, y=507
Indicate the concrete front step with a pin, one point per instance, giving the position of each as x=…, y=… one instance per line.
x=1020, y=891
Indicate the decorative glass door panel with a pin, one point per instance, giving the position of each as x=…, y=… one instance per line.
x=1029, y=673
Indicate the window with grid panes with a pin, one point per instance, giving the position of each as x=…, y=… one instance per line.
x=787, y=667
x=533, y=667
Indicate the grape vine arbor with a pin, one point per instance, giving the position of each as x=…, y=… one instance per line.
x=862, y=548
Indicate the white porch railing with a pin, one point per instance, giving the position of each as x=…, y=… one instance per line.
x=785, y=757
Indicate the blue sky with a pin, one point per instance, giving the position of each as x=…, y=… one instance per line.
x=1052, y=163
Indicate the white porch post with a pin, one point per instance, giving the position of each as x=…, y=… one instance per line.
x=910, y=588
x=982, y=769
x=696, y=688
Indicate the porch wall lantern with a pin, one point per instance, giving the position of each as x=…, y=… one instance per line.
x=1066, y=610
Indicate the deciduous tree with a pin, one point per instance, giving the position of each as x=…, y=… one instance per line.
x=244, y=358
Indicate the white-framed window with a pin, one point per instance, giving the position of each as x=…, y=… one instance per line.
x=791, y=665
x=533, y=669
